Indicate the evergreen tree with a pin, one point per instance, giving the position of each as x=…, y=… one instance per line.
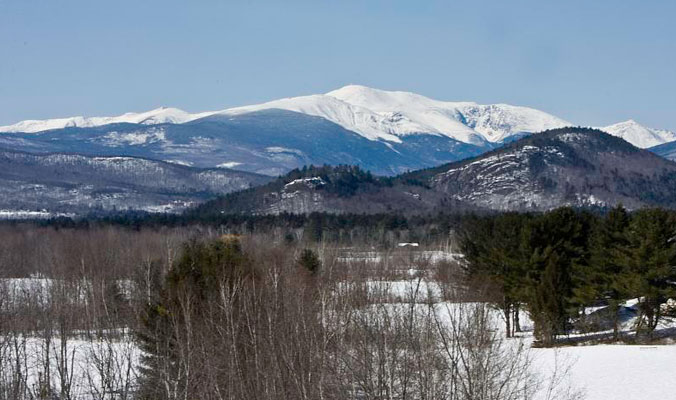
x=604, y=279
x=196, y=277
x=493, y=252
x=309, y=261
x=549, y=303
x=650, y=264
x=557, y=243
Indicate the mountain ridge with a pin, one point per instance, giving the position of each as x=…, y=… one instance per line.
x=373, y=113
x=579, y=167
x=73, y=183
x=386, y=132
x=380, y=115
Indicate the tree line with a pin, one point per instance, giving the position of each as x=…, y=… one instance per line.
x=557, y=264
x=381, y=229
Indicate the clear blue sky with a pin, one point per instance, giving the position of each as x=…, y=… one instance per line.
x=591, y=62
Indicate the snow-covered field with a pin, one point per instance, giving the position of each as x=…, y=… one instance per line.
x=614, y=372
x=80, y=369
x=601, y=372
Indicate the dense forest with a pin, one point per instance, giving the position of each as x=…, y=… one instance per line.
x=559, y=263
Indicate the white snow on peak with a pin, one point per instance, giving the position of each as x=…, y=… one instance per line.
x=389, y=115
x=385, y=100
x=493, y=122
x=157, y=116
x=497, y=122
x=639, y=135
x=373, y=113
x=354, y=118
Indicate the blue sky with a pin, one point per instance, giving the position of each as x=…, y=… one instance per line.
x=591, y=62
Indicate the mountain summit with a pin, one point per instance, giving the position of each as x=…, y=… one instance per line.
x=390, y=115
x=494, y=122
x=639, y=135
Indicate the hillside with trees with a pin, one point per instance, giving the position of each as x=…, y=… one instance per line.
x=577, y=167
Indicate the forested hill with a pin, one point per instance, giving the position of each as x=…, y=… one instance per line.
x=77, y=184
x=579, y=167
x=568, y=166
x=339, y=189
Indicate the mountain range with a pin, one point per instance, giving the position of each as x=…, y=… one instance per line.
x=168, y=159
x=387, y=132
x=56, y=184
x=579, y=167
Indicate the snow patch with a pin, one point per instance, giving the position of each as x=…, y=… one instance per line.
x=26, y=214
x=277, y=149
x=135, y=138
x=311, y=183
x=229, y=164
x=180, y=162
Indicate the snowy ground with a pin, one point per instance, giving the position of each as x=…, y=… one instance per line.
x=94, y=369
x=613, y=372
x=600, y=372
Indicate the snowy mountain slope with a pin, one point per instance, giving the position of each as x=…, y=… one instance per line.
x=455, y=119
x=639, y=135
x=498, y=122
x=357, y=119
x=389, y=115
x=160, y=115
x=387, y=132
x=377, y=115
x=270, y=142
x=381, y=115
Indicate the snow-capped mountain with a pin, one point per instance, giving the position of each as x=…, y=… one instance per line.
x=373, y=113
x=380, y=115
x=493, y=122
x=389, y=115
x=162, y=115
x=639, y=135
